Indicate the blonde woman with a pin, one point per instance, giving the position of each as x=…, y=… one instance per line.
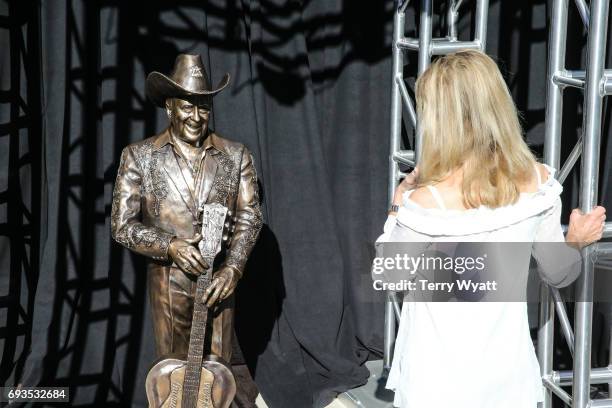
x=477, y=181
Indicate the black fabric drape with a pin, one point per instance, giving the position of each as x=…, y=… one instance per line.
x=310, y=97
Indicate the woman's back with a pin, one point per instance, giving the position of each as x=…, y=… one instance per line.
x=451, y=194
x=437, y=213
x=479, y=182
x=488, y=342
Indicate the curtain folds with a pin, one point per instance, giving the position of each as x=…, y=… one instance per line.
x=309, y=96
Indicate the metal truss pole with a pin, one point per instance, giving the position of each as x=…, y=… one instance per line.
x=425, y=36
x=424, y=58
x=554, y=93
x=545, y=340
x=591, y=133
x=426, y=46
x=596, y=82
x=482, y=16
x=552, y=143
x=396, y=132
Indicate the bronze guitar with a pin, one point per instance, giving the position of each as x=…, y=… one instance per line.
x=198, y=382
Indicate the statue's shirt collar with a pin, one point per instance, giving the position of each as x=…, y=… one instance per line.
x=164, y=139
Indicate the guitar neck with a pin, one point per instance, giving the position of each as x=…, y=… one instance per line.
x=191, y=383
x=213, y=218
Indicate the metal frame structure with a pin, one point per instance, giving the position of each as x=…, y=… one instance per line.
x=596, y=82
x=426, y=46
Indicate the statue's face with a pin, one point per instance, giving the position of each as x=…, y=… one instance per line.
x=188, y=121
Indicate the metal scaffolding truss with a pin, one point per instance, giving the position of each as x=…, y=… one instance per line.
x=426, y=46
x=596, y=82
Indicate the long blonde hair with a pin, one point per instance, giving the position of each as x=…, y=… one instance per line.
x=469, y=121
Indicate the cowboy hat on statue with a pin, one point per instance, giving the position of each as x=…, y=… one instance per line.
x=187, y=80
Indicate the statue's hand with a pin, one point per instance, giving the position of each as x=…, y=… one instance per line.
x=185, y=254
x=222, y=285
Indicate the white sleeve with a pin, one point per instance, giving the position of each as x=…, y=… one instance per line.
x=558, y=264
x=389, y=244
x=549, y=229
x=387, y=229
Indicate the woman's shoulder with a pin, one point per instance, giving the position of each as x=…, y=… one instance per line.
x=545, y=171
x=423, y=197
x=541, y=175
x=452, y=197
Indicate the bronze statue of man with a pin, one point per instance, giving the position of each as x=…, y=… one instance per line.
x=161, y=183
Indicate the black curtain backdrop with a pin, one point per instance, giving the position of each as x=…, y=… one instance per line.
x=310, y=97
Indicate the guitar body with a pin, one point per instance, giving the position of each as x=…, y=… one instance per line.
x=164, y=384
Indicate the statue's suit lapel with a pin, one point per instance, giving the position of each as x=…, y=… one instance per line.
x=210, y=174
x=219, y=172
x=224, y=180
